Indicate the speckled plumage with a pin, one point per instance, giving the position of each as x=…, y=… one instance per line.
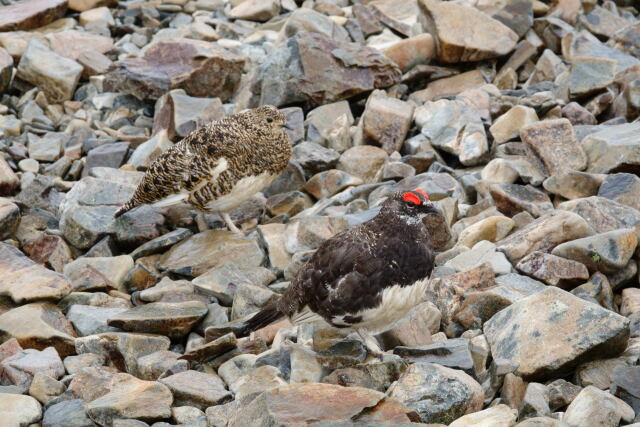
x=207, y=164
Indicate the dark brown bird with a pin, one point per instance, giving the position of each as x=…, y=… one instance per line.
x=218, y=167
x=366, y=278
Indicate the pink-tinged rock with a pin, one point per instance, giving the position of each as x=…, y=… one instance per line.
x=553, y=270
x=465, y=34
x=410, y=52
x=72, y=43
x=511, y=199
x=555, y=143
x=20, y=368
x=307, y=403
x=386, y=121
x=38, y=326
x=544, y=234
x=6, y=69
x=24, y=280
x=201, y=68
x=31, y=14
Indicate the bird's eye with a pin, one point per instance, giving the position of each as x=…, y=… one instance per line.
x=269, y=120
x=411, y=205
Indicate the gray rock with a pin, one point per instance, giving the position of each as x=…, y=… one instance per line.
x=453, y=353
x=594, y=406
x=613, y=149
x=88, y=320
x=48, y=148
x=314, y=158
x=110, y=155
x=438, y=394
x=68, y=413
x=561, y=393
x=622, y=188
x=582, y=331
x=18, y=410
x=535, y=402
x=626, y=386
x=223, y=281
x=553, y=270
x=192, y=388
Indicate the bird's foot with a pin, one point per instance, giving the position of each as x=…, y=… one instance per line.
x=373, y=348
x=232, y=227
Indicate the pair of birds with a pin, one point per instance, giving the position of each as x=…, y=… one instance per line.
x=365, y=279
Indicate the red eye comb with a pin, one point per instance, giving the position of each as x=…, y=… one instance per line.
x=411, y=198
x=424, y=193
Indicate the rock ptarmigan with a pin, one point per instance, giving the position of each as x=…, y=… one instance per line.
x=366, y=278
x=218, y=167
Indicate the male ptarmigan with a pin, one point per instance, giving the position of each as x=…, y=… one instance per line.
x=366, y=278
x=218, y=167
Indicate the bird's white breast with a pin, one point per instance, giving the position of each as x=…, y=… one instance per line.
x=241, y=191
x=397, y=302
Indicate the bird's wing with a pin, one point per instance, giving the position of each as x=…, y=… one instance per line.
x=177, y=172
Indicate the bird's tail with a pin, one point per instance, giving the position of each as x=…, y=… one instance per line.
x=269, y=314
x=124, y=208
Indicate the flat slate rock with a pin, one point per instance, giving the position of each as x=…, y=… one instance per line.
x=549, y=333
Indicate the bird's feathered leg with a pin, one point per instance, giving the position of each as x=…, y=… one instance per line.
x=201, y=222
x=227, y=219
x=371, y=343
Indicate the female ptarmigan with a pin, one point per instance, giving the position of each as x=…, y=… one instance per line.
x=366, y=278
x=218, y=167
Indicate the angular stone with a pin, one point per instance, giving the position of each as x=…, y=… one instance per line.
x=515, y=14
x=72, y=43
x=88, y=320
x=578, y=115
x=493, y=228
x=305, y=19
x=202, y=69
x=256, y=10
x=573, y=331
x=507, y=126
x=465, y=34
x=597, y=290
x=449, y=86
x=21, y=368
x=46, y=149
x=603, y=22
x=364, y=162
x=605, y=252
x=223, y=281
x=553, y=270
x=614, y=149
x=590, y=75
x=19, y=410
x=622, y=188
x=511, y=199
x=67, y=413
x=452, y=353
x=543, y=234
x=602, y=214
x=317, y=403
x=74, y=364
x=198, y=389
x=554, y=142
x=314, y=158
x=573, y=184
x=113, y=268
x=6, y=69
x=599, y=373
x=310, y=67
x=596, y=407
x=416, y=328
x=309, y=233
x=38, y=325
x=561, y=393
x=535, y=402
x=499, y=415
x=82, y=5
x=174, y=320
x=438, y=394
x=630, y=301
x=408, y=53
x=154, y=365
x=32, y=14
x=482, y=252
x=455, y=127
x=386, y=121
x=402, y=17
x=9, y=181
x=125, y=396
x=369, y=24
x=55, y=75
x=44, y=388
x=328, y=183
x=122, y=350
x=204, y=251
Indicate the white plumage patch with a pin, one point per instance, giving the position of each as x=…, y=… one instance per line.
x=242, y=191
x=397, y=302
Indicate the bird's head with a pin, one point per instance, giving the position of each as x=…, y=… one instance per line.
x=412, y=206
x=269, y=116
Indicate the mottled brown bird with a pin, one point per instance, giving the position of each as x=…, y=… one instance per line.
x=218, y=167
